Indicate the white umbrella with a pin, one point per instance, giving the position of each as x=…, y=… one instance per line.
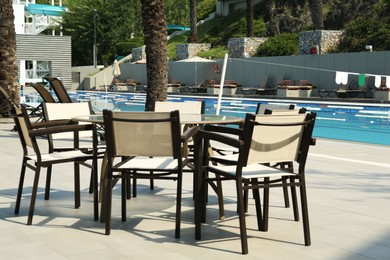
x=117, y=69
x=195, y=60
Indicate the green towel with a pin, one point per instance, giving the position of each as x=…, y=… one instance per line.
x=362, y=79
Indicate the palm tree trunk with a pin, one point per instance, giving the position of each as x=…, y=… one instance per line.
x=8, y=68
x=317, y=15
x=155, y=37
x=249, y=18
x=193, y=21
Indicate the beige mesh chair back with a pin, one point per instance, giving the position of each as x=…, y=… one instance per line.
x=150, y=142
x=34, y=159
x=192, y=107
x=60, y=111
x=272, y=144
x=141, y=134
x=261, y=108
x=265, y=139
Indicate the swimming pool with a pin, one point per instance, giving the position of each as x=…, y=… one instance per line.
x=368, y=123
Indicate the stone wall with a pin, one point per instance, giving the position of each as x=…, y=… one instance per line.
x=324, y=39
x=138, y=54
x=187, y=50
x=244, y=47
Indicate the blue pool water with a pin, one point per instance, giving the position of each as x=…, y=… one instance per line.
x=368, y=123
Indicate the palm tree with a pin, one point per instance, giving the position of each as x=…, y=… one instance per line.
x=155, y=38
x=317, y=15
x=249, y=18
x=8, y=68
x=193, y=20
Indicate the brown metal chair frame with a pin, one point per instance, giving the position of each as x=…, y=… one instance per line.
x=297, y=179
x=34, y=159
x=119, y=170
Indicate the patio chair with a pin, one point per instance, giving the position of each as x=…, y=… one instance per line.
x=149, y=141
x=265, y=139
x=35, y=159
x=196, y=107
x=259, y=89
x=60, y=142
x=59, y=89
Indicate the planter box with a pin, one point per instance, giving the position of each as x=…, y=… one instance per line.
x=126, y=88
x=382, y=95
x=294, y=93
x=172, y=89
x=226, y=91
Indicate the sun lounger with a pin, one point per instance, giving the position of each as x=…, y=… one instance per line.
x=350, y=90
x=259, y=88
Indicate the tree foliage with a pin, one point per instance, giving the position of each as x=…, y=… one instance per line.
x=117, y=21
x=362, y=32
x=281, y=45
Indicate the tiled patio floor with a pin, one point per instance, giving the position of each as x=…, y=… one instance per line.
x=349, y=205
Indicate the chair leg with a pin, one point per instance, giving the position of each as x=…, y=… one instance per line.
x=305, y=214
x=48, y=182
x=294, y=199
x=128, y=188
x=33, y=195
x=285, y=194
x=200, y=206
x=265, y=205
x=20, y=187
x=178, y=203
x=124, y=195
x=91, y=183
x=134, y=187
x=76, y=185
x=220, y=199
x=108, y=202
x=241, y=216
x=256, y=196
x=151, y=181
x=95, y=192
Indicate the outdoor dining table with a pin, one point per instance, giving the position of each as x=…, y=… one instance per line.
x=185, y=119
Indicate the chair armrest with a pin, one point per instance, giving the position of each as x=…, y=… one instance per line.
x=189, y=133
x=223, y=129
x=202, y=134
x=60, y=129
x=53, y=123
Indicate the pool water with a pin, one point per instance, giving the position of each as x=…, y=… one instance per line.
x=368, y=123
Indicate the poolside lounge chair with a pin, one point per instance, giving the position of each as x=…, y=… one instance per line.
x=59, y=89
x=202, y=88
x=259, y=89
x=265, y=139
x=350, y=90
x=9, y=103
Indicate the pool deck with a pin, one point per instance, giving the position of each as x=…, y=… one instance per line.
x=349, y=207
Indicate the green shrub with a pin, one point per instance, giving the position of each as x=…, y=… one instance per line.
x=362, y=32
x=205, y=8
x=218, y=52
x=281, y=45
x=125, y=48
